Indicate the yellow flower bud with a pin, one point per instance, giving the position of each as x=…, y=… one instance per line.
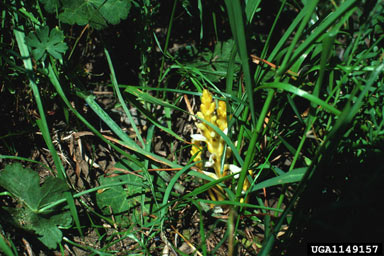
x=207, y=106
x=196, y=149
x=222, y=115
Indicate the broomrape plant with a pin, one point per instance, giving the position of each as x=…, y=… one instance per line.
x=216, y=146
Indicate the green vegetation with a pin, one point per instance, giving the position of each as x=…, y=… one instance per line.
x=99, y=100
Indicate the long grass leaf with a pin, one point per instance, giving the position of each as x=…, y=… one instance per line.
x=299, y=92
x=289, y=177
x=258, y=72
x=19, y=158
x=129, y=144
x=235, y=14
x=165, y=49
x=235, y=203
x=309, y=8
x=286, y=35
x=251, y=8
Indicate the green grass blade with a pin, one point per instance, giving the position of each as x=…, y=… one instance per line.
x=156, y=102
x=55, y=82
x=206, y=186
x=319, y=31
x=258, y=73
x=289, y=177
x=91, y=190
x=120, y=97
x=231, y=71
x=130, y=144
x=170, y=186
x=201, y=228
x=19, y=158
x=238, y=204
x=25, y=54
x=167, y=41
x=309, y=8
x=5, y=248
x=252, y=145
x=286, y=35
x=200, y=7
x=126, y=140
x=90, y=99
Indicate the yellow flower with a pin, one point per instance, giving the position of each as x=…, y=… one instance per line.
x=216, y=115
x=215, y=144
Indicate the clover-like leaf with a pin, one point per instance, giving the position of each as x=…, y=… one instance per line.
x=97, y=13
x=114, y=10
x=50, y=5
x=82, y=12
x=42, y=42
x=23, y=183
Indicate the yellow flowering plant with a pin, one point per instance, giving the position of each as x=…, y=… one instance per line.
x=216, y=146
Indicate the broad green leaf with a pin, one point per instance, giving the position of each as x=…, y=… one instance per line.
x=47, y=228
x=51, y=191
x=42, y=42
x=82, y=13
x=97, y=13
x=114, y=10
x=115, y=197
x=24, y=184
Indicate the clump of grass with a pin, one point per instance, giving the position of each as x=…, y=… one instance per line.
x=285, y=112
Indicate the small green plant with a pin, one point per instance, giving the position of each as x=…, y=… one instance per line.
x=36, y=211
x=214, y=64
x=118, y=199
x=44, y=41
